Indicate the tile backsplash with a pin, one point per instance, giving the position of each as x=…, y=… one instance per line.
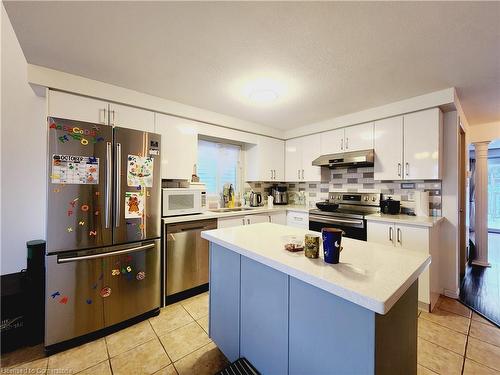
x=354, y=180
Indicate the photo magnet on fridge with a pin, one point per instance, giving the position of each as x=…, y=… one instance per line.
x=134, y=205
x=140, y=171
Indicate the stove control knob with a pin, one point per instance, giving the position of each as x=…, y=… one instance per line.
x=365, y=199
x=374, y=199
x=339, y=197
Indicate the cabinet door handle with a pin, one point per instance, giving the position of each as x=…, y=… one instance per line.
x=390, y=234
x=399, y=169
x=102, y=119
x=112, y=120
x=302, y=174
x=398, y=235
x=248, y=221
x=271, y=174
x=269, y=218
x=274, y=174
x=342, y=144
x=407, y=168
x=298, y=174
x=347, y=143
x=243, y=221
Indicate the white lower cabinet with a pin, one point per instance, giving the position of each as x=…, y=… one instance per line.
x=297, y=219
x=228, y=222
x=268, y=217
x=417, y=238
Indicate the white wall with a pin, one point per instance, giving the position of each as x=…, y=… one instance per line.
x=484, y=132
x=448, y=230
x=22, y=155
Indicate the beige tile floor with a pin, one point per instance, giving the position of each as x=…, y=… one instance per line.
x=451, y=340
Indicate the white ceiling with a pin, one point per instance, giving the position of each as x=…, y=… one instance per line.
x=336, y=57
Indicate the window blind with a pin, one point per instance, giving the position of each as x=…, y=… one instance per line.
x=218, y=164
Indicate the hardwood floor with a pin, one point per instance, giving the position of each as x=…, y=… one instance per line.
x=480, y=289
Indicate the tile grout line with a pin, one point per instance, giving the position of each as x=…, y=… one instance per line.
x=109, y=357
x=441, y=325
x=419, y=364
x=164, y=349
x=442, y=347
x=184, y=356
x=466, y=344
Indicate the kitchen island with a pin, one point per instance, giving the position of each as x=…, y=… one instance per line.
x=288, y=314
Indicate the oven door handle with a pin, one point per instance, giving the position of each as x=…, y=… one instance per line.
x=321, y=219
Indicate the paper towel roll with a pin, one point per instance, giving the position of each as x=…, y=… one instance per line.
x=422, y=203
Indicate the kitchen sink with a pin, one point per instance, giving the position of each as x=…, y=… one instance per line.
x=236, y=209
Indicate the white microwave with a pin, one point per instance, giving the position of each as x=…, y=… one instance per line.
x=183, y=201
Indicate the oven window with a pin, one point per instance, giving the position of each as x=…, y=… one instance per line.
x=180, y=201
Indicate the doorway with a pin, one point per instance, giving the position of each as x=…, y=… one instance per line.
x=480, y=289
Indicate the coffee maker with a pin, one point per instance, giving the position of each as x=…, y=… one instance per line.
x=280, y=194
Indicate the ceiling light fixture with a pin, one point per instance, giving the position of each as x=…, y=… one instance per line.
x=263, y=96
x=264, y=89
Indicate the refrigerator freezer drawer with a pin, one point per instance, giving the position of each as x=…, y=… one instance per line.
x=90, y=290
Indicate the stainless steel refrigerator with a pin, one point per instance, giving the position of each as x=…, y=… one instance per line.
x=103, y=227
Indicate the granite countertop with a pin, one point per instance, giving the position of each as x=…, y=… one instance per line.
x=371, y=275
x=248, y=211
x=424, y=221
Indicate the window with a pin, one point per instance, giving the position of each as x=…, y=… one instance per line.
x=494, y=193
x=218, y=164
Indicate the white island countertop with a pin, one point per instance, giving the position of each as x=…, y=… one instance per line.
x=371, y=275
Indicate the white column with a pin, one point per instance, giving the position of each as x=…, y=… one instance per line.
x=481, y=204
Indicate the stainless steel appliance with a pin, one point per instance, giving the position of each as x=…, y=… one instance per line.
x=186, y=255
x=183, y=201
x=280, y=194
x=255, y=199
x=363, y=158
x=345, y=211
x=103, y=227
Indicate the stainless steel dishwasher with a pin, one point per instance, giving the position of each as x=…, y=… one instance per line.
x=186, y=259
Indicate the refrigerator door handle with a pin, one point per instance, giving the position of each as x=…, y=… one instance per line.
x=104, y=255
x=107, y=218
x=118, y=176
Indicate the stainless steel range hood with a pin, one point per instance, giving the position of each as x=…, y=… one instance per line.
x=362, y=158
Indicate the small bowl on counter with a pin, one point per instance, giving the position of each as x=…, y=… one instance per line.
x=292, y=243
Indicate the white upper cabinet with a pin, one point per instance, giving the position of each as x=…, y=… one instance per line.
x=358, y=137
x=265, y=161
x=422, y=140
x=408, y=147
x=293, y=159
x=311, y=149
x=388, y=146
x=332, y=142
x=352, y=138
x=179, y=146
x=299, y=155
x=131, y=118
x=75, y=107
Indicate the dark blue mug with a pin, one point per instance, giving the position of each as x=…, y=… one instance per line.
x=332, y=239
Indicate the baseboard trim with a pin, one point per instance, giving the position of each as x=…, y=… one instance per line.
x=452, y=293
